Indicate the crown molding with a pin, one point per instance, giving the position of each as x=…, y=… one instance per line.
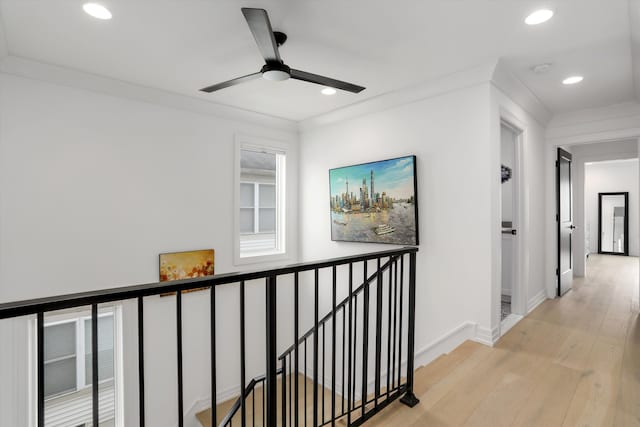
x=612, y=123
x=4, y=47
x=26, y=68
x=634, y=25
x=519, y=93
x=439, y=86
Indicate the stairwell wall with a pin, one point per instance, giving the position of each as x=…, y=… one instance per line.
x=92, y=188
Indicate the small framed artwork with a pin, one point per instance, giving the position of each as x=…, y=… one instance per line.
x=375, y=202
x=187, y=265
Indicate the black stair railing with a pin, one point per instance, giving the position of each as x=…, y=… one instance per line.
x=353, y=412
x=291, y=413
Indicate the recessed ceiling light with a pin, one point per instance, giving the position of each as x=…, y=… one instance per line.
x=572, y=80
x=539, y=16
x=328, y=91
x=97, y=11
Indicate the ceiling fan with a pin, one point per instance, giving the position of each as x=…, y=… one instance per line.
x=275, y=69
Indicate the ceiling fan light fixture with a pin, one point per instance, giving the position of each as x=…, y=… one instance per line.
x=97, y=11
x=539, y=17
x=328, y=91
x=276, y=75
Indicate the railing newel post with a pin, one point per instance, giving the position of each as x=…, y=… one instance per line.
x=410, y=398
x=272, y=353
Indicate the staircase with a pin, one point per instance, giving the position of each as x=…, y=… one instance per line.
x=306, y=399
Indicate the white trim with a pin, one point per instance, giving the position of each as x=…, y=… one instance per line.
x=445, y=344
x=517, y=91
x=536, y=300
x=27, y=68
x=509, y=322
x=205, y=403
x=4, y=47
x=434, y=87
x=487, y=336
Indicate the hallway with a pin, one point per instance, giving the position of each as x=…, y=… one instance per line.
x=573, y=361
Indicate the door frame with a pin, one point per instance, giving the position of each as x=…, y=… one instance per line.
x=626, y=223
x=560, y=152
x=518, y=294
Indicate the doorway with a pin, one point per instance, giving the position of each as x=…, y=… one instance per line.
x=511, y=195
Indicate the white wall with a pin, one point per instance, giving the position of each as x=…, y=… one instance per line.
x=529, y=183
x=609, y=177
x=449, y=134
x=93, y=188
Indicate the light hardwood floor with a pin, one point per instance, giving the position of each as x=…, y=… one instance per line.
x=574, y=361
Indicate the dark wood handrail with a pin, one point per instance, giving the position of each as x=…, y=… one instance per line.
x=60, y=302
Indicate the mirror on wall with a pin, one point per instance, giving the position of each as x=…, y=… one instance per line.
x=613, y=223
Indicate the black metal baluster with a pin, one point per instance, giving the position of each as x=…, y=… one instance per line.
x=40, y=351
x=141, y=360
x=295, y=340
x=395, y=319
x=253, y=408
x=272, y=353
x=400, y=322
x=264, y=405
x=365, y=342
x=389, y=330
x=378, y=354
x=344, y=330
x=305, y=382
x=355, y=349
x=243, y=416
x=179, y=342
x=214, y=393
x=284, y=392
x=315, y=351
x=94, y=365
x=290, y=389
x=333, y=349
x=409, y=398
x=350, y=344
x=323, y=370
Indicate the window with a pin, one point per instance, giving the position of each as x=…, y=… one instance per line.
x=261, y=199
x=68, y=367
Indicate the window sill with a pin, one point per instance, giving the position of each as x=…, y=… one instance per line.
x=258, y=257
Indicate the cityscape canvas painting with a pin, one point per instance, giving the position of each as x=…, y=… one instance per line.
x=375, y=202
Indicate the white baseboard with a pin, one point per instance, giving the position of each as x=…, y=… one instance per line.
x=536, y=300
x=487, y=336
x=190, y=419
x=445, y=344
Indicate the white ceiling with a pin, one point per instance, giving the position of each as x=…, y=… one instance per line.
x=183, y=45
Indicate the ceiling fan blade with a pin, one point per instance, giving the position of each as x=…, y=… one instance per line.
x=232, y=82
x=260, y=26
x=325, y=81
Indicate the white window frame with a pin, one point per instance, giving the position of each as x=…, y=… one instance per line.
x=118, y=379
x=79, y=319
x=256, y=207
x=244, y=142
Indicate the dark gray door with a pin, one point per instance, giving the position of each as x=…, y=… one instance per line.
x=565, y=222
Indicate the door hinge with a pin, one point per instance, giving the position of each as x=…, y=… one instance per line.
x=557, y=272
x=557, y=164
x=557, y=217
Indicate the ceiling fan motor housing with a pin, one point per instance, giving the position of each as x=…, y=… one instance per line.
x=276, y=71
